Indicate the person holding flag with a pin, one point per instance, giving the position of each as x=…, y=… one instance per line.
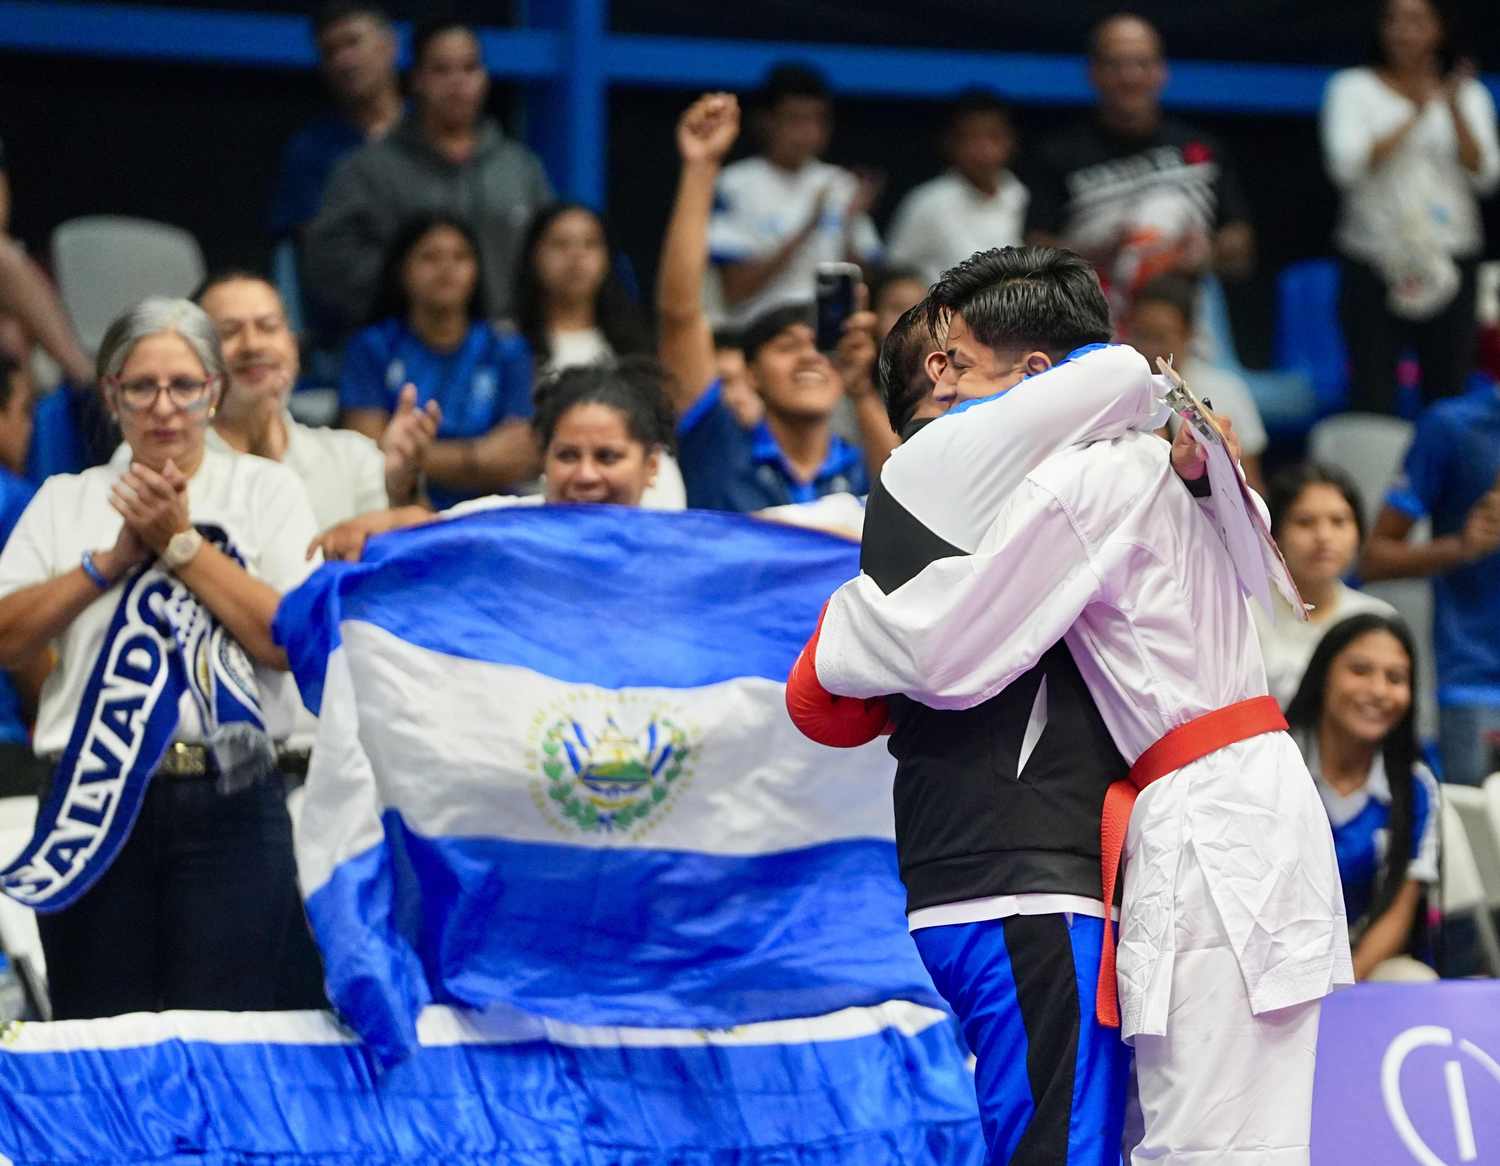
x=1232, y=923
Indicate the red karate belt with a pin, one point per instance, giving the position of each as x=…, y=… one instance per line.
x=1182, y=746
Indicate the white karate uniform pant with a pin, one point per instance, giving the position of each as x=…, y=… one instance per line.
x=1222, y=1085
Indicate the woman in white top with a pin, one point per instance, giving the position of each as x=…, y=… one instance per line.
x=1411, y=144
x=571, y=305
x=574, y=309
x=1317, y=522
x=162, y=860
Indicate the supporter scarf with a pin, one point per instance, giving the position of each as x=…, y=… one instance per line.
x=162, y=641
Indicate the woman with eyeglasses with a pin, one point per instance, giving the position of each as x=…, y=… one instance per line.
x=161, y=865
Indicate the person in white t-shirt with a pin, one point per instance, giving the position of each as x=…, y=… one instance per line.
x=779, y=214
x=569, y=301
x=1411, y=144
x=345, y=473
x=112, y=571
x=1160, y=324
x=1317, y=521
x=573, y=310
x=973, y=206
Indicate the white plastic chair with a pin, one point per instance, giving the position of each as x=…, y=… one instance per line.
x=105, y=263
x=19, y=938
x=1471, y=866
x=1369, y=447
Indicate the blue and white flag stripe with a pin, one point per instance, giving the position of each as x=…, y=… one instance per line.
x=881, y=1086
x=554, y=771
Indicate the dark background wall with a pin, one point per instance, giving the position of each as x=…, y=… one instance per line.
x=197, y=145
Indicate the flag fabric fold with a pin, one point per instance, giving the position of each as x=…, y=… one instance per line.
x=866, y=1087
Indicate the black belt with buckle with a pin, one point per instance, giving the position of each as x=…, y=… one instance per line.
x=185, y=760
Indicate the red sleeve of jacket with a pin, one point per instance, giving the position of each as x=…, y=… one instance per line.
x=838, y=721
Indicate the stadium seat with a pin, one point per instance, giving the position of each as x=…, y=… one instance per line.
x=1471, y=867
x=105, y=263
x=18, y=933
x=1285, y=399
x=1368, y=447
x=1309, y=338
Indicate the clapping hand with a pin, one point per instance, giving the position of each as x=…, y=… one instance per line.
x=154, y=505
x=405, y=442
x=708, y=128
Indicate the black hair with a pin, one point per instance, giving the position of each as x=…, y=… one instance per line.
x=976, y=99
x=792, y=79
x=616, y=312
x=1286, y=487
x=10, y=369
x=390, y=297
x=424, y=32
x=727, y=337
x=1447, y=15
x=223, y=275
x=325, y=16
x=1398, y=749
x=1023, y=297
x=899, y=373
x=1174, y=290
x=886, y=276
x=635, y=386
x=771, y=323
x=1096, y=33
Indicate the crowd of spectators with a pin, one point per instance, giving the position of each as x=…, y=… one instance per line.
x=490, y=350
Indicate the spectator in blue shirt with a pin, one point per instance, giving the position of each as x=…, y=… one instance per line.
x=429, y=332
x=1354, y=718
x=357, y=57
x=20, y=773
x=792, y=455
x=1452, y=476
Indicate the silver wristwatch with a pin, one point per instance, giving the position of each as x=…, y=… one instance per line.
x=181, y=549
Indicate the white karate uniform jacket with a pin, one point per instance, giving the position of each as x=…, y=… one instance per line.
x=1102, y=546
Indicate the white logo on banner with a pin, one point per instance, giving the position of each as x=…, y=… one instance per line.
x=1453, y=1081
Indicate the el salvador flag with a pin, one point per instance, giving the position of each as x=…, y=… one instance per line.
x=554, y=773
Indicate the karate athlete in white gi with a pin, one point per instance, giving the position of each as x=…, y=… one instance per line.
x=1232, y=923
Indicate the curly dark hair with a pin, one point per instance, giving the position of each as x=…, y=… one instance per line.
x=635, y=386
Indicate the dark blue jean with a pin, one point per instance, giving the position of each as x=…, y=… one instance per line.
x=199, y=910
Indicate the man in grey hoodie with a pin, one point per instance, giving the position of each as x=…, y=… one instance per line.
x=444, y=155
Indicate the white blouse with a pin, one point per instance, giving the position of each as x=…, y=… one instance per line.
x=260, y=505
x=1359, y=109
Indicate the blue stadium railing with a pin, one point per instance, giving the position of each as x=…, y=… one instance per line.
x=567, y=57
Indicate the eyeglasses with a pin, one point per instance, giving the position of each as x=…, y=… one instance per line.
x=142, y=394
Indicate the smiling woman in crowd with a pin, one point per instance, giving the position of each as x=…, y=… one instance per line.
x=155, y=584
x=1354, y=719
x=604, y=431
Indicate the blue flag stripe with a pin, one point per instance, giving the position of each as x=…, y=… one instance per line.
x=878, y=1100
x=582, y=594
x=593, y=936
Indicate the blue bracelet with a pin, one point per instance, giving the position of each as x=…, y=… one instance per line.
x=93, y=572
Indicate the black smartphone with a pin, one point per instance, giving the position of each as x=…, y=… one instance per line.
x=836, y=283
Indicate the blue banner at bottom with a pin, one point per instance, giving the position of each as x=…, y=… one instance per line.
x=864, y=1087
